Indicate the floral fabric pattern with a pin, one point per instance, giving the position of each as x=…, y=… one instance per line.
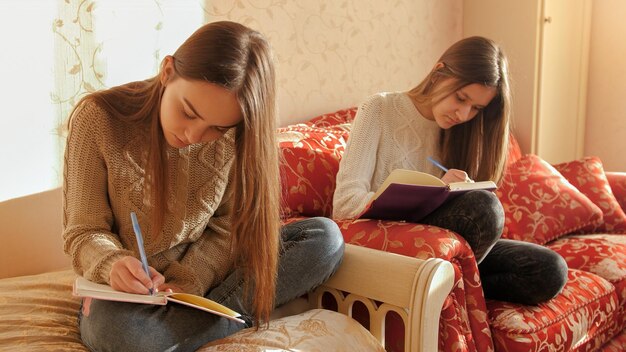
x=540, y=204
x=463, y=323
x=309, y=162
x=581, y=318
x=617, y=180
x=316, y=330
x=587, y=175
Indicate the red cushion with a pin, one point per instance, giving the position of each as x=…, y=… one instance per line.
x=588, y=176
x=600, y=254
x=540, y=204
x=583, y=316
x=618, y=185
x=333, y=120
x=309, y=164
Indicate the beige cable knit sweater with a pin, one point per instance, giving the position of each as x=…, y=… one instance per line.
x=104, y=181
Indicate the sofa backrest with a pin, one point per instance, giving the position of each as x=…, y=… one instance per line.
x=310, y=154
x=31, y=234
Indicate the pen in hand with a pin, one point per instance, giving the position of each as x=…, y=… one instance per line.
x=445, y=169
x=142, y=251
x=437, y=164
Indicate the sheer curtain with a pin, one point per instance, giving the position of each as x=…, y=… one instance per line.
x=53, y=52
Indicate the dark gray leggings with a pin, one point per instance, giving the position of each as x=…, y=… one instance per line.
x=513, y=271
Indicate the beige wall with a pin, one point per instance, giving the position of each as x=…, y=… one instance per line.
x=332, y=54
x=606, y=93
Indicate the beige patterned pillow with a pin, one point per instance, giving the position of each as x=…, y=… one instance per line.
x=314, y=330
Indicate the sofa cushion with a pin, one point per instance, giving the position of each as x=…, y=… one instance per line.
x=334, y=120
x=587, y=175
x=601, y=254
x=540, y=204
x=314, y=330
x=580, y=318
x=309, y=163
x=38, y=313
x=618, y=186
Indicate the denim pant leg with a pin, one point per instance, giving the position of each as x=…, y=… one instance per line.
x=119, y=326
x=311, y=252
x=477, y=216
x=522, y=272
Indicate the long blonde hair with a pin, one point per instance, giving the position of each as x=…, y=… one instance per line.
x=239, y=59
x=478, y=146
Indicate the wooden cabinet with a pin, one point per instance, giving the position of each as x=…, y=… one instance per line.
x=547, y=44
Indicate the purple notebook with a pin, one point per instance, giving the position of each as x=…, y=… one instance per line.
x=413, y=202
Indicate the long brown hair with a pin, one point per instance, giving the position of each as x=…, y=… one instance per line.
x=478, y=146
x=239, y=59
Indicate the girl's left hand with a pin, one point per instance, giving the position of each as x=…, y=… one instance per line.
x=454, y=175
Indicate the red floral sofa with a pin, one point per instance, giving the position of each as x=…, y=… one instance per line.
x=574, y=208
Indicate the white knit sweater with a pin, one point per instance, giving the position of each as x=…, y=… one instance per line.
x=388, y=133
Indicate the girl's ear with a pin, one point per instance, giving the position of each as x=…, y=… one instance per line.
x=433, y=75
x=167, y=69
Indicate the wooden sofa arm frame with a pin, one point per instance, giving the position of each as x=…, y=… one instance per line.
x=385, y=282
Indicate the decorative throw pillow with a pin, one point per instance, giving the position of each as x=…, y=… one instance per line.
x=308, y=167
x=540, y=205
x=334, y=120
x=617, y=180
x=588, y=176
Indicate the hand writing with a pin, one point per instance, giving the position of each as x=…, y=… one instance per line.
x=454, y=175
x=128, y=275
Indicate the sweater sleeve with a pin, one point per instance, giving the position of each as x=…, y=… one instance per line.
x=87, y=215
x=354, y=178
x=208, y=260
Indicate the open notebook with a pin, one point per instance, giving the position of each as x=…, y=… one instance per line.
x=411, y=195
x=86, y=288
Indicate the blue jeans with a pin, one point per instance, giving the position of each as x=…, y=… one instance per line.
x=311, y=251
x=512, y=271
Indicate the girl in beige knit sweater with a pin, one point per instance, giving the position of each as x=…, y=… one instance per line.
x=192, y=152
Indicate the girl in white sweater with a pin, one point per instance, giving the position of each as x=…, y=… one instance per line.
x=458, y=114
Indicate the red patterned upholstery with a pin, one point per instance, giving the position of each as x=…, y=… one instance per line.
x=310, y=161
x=580, y=318
x=540, y=206
x=587, y=175
x=617, y=180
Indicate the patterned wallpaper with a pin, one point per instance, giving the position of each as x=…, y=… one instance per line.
x=332, y=54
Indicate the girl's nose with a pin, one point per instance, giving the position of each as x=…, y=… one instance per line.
x=194, y=135
x=463, y=113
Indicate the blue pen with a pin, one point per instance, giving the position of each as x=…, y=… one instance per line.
x=437, y=164
x=142, y=251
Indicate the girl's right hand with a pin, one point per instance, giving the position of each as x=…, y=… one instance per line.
x=127, y=275
x=454, y=175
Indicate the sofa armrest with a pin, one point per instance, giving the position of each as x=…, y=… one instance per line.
x=415, y=289
x=617, y=180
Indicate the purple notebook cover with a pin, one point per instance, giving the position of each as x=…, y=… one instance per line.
x=408, y=202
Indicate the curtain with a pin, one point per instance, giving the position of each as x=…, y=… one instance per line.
x=54, y=52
